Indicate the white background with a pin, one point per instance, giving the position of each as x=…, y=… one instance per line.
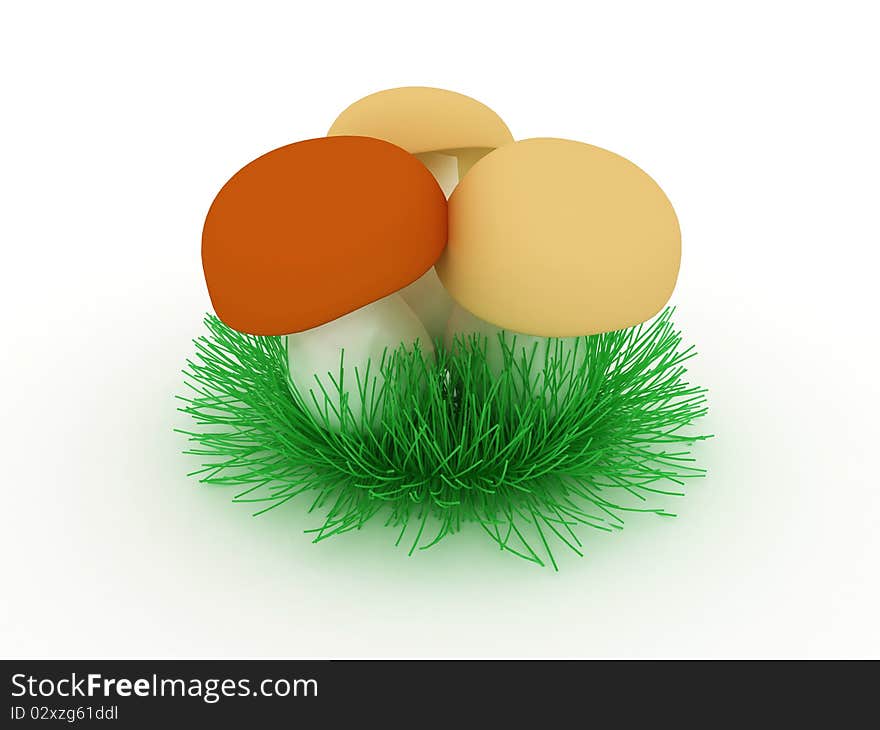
x=119, y=126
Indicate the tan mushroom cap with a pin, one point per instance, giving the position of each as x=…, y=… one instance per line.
x=424, y=119
x=558, y=238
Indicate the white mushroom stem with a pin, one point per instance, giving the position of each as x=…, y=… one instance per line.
x=532, y=351
x=426, y=295
x=444, y=168
x=365, y=336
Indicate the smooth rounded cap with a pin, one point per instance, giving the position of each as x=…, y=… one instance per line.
x=424, y=119
x=314, y=230
x=557, y=238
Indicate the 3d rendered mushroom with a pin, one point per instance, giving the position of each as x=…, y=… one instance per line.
x=448, y=132
x=551, y=240
x=558, y=401
x=313, y=241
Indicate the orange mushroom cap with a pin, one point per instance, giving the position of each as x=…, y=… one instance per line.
x=314, y=230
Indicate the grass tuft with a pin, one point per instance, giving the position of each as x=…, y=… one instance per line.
x=532, y=454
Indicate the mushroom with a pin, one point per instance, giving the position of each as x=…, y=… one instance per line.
x=314, y=240
x=448, y=132
x=550, y=238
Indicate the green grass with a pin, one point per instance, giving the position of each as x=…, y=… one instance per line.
x=607, y=433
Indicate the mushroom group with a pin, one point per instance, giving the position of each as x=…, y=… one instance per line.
x=348, y=246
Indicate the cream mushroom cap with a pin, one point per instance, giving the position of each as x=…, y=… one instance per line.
x=424, y=119
x=558, y=238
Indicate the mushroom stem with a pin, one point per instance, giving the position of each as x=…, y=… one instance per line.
x=345, y=356
x=426, y=296
x=535, y=354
